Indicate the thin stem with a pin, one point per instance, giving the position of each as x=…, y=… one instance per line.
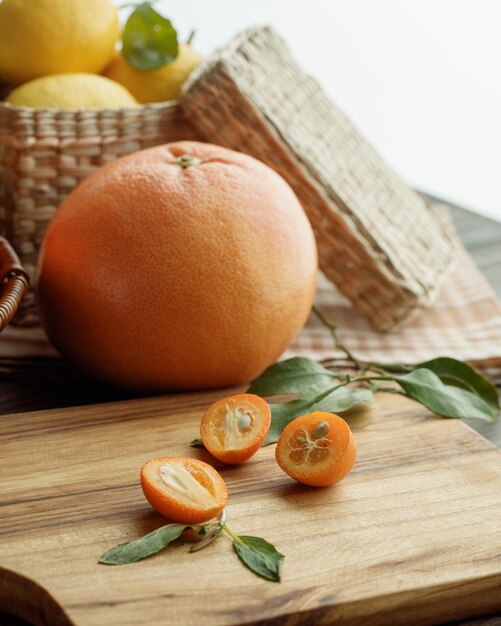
x=330, y=390
x=332, y=326
x=209, y=538
x=374, y=367
x=357, y=379
x=349, y=380
x=214, y=529
x=361, y=365
x=233, y=535
x=396, y=368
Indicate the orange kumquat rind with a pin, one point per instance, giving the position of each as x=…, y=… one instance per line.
x=316, y=449
x=185, y=490
x=234, y=428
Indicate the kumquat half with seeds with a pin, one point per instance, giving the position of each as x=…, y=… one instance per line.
x=183, y=489
x=316, y=449
x=234, y=428
x=193, y=495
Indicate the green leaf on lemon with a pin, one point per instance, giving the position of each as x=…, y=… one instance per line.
x=143, y=547
x=149, y=40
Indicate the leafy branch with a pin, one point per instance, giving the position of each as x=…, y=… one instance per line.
x=257, y=554
x=445, y=386
x=333, y=327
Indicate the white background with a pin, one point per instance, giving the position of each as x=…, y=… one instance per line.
x=420, y=78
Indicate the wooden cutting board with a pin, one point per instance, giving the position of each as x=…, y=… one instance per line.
x=410, y=537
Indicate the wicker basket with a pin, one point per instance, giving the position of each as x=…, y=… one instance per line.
x=378, y=241
x=14, y=283
x=45, y=153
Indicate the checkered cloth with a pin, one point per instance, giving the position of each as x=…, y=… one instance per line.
x=464, y=322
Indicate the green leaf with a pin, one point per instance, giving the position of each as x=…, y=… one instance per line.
x=426, y=387
x=149, y=40
x=284, y=412
x=343, y=399
x=145, y=546
x=259, y=556
x=290, y=376
x=458, y=373
x=315, y=398
x=197, y=443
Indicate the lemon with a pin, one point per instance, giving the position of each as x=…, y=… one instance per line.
x=155, y=85
x=41, y=37
x=72, y=91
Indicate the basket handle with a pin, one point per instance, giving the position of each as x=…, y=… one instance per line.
x=14, y=283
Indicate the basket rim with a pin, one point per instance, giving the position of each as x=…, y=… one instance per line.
x=34, y=110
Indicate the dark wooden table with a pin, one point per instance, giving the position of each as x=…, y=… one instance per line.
x=482, y=238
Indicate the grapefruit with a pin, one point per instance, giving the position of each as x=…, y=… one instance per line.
x=183, y=266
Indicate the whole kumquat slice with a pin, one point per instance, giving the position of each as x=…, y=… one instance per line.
x=234, y=428
x=316, y=449
x=185, y=490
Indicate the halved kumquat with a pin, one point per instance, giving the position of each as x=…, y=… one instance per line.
x=234, y=428
x=185, y=490
x=316, y=449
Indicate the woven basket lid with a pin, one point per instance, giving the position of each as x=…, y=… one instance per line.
x=378, y=240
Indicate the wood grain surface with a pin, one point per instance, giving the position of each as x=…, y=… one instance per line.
x=410, y=537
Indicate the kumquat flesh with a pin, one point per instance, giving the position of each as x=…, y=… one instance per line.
x=316, y=449
x=234, y=428
x=183, y=489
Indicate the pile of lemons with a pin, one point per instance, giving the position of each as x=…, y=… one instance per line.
x=64, y=54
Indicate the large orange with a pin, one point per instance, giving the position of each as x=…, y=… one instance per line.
x=178, y=267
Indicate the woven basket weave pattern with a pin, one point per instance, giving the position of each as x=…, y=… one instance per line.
x=13, y=283
x=377, y=239
x=44, y=154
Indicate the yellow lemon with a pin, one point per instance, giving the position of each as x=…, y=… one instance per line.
x=155, y=85
x=41, y=37
x=72, y=91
